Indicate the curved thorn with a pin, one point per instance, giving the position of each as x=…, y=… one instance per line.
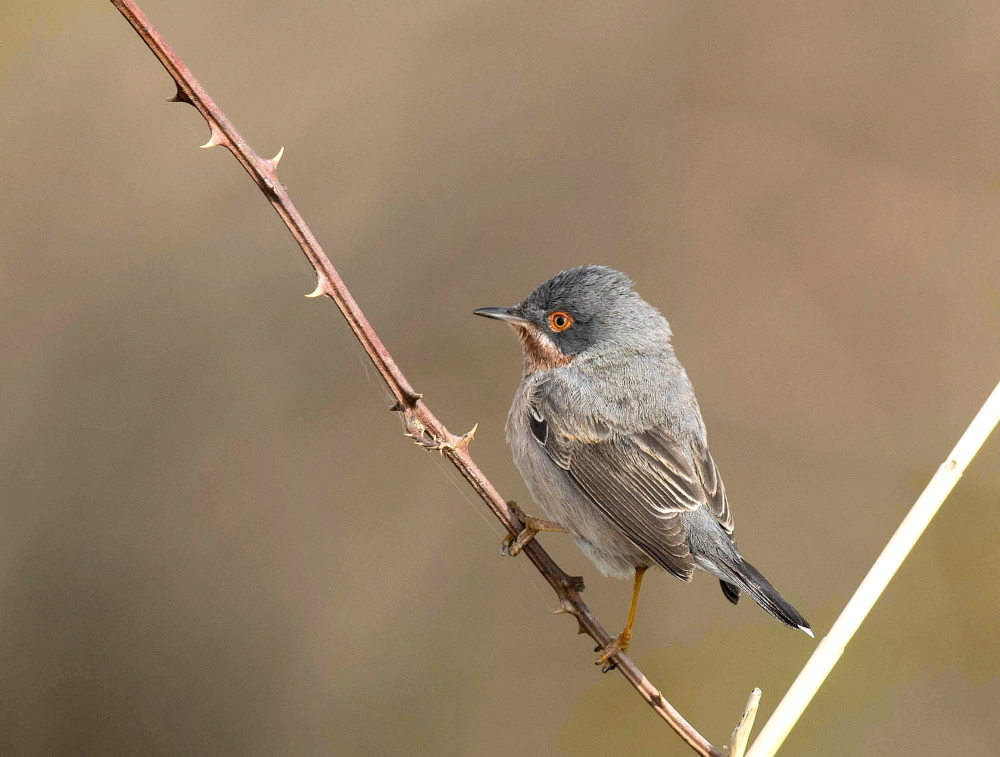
x=319, y=291
x=215, y=140
x=277, y=158
x=179, y=96
x=468, y=436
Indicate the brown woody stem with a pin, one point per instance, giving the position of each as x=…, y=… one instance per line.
x=421, y=424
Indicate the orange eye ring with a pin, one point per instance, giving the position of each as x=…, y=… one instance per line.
x=560, y=321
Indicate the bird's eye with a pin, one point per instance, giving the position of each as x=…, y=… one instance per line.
x=560, y=321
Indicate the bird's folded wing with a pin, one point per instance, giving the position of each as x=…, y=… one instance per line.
x=712, y=486
x=641, y=481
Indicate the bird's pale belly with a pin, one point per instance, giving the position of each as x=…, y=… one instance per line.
x=562, y=501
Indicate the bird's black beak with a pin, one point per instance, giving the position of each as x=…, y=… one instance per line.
x=511, y=315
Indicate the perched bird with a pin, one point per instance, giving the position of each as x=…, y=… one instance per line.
x=609, y=439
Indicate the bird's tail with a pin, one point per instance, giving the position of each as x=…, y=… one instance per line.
x=742, y=575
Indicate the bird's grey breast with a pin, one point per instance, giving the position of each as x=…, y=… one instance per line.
x=550, y=484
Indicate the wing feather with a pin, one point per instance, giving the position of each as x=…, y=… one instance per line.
x=643, y=482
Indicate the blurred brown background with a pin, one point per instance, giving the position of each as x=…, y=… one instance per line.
x=215, y=540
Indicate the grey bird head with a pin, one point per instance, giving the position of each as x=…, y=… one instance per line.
x=588, y=310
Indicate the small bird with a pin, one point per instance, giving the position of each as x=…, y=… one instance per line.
x=607, y=434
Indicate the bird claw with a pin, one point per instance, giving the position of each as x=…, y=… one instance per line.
x=505, y=546
x=616, y=645
x=512, y=545
x=530, y=527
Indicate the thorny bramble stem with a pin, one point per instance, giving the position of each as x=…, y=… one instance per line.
x=420, y=422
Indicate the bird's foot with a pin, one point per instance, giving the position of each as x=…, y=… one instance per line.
x=618, y=644
x=512, y=545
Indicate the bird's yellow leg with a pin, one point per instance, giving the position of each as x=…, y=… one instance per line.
x=620, y=643
x=512, y=546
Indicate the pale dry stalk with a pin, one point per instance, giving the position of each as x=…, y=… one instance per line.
x=830, y=649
